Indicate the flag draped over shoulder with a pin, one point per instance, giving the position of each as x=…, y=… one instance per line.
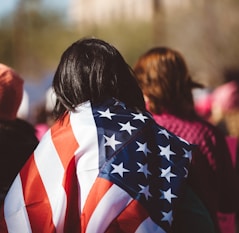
x=103, y=169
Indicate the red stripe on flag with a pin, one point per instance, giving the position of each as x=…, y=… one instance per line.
x=33, y=189
x=70, y=182
x=72, y=218
x=3, y=226
x=129, y=219
x=93, y=199
x=61, y=131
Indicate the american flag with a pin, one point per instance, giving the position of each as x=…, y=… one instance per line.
x=104, y=168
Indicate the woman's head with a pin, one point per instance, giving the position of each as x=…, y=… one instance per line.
x=165, y=81
x=92, y=70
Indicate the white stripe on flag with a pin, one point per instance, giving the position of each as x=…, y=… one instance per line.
x=87, y=155
x=112, y=203
x=51, y=171
x=14, y=209
x=149, y=226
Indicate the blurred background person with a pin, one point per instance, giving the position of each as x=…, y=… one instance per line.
x=24, y=108
x=225, y=113
x=17, y=136
x=163, y=75
x=44, y=117
x=225, y=107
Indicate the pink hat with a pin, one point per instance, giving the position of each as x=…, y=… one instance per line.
x=11, y=91
x=227, y=96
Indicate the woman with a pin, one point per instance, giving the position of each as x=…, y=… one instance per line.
x=167, y=86
x=105, y=165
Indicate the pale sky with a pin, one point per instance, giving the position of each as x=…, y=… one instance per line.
x=7, y=6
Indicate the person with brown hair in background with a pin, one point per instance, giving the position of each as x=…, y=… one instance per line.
x=163, y=76
x=17, y=136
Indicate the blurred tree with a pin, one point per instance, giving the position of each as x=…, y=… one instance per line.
x=159, y=34
x=33, y=40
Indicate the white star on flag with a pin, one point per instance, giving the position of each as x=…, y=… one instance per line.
x=106, y=114
x=110, y=141
x=166, y=173
x=167, y=195
x=166, y=151
x=167, y=216
x=144, y=169
x=127, y=127
x=145, y=191
x=119, y=169
x=164, y=132
x=143, y=147
x=139, y=116
x=188, y=154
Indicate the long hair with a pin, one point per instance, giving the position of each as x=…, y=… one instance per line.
x=92, y=70
x=164, y=79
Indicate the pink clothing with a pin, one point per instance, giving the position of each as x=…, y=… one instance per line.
x=227, y=96
x=210, y=140
x=212, y=175
x=41, y=129
x=232, y=144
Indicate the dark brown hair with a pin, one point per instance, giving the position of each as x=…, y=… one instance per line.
x=93, y=70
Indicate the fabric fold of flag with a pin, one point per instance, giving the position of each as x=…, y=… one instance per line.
x=104, y=168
